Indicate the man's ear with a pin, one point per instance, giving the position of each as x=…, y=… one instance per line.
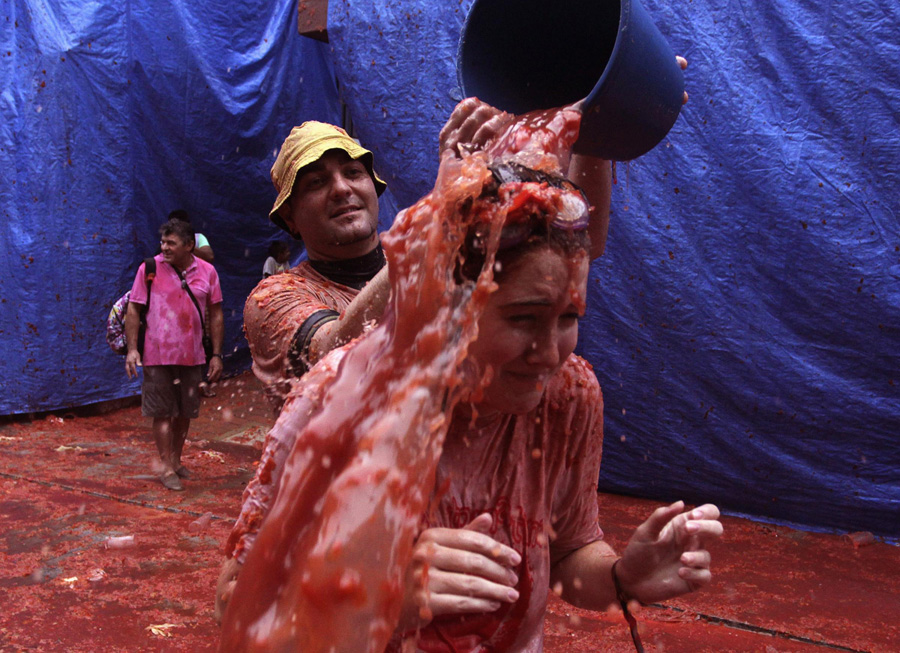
x=288, y=222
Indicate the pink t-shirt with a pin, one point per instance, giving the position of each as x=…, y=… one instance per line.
x=174, y=332
x=536, y=474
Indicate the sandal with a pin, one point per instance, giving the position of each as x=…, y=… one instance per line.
x=184, y=472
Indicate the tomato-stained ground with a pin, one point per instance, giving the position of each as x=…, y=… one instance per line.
x=95, y=555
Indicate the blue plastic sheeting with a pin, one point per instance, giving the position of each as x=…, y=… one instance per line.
x=744, y=322
x=114, y=114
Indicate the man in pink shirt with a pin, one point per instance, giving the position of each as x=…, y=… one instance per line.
x=184, y=294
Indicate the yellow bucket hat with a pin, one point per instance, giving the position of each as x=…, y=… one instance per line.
x=306, y=144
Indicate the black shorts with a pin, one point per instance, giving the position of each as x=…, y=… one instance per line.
x=171, y=391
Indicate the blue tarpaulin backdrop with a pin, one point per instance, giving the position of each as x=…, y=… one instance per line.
x=744, y=322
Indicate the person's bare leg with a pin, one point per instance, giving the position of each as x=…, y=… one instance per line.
x=164, y=434
x=180, y=426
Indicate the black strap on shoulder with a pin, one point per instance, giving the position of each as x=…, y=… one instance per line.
x=149, y=276
x=184, y=284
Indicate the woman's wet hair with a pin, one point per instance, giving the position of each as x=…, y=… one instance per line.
x=533, y=230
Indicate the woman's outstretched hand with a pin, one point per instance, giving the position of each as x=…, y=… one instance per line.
x=667, y=554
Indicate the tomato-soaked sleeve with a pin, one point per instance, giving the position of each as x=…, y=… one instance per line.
x=259, y=495
x=577, y=409
x=276, y=311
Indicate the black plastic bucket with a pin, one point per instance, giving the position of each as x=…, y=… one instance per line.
x=525, y=55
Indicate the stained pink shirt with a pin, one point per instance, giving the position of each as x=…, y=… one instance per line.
x=174, y=332
x=277, y=307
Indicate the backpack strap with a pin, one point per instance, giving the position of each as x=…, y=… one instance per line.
x=207, y=343
x=149, y=276
x=184, y=284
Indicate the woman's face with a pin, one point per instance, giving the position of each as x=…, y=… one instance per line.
x=529, y=328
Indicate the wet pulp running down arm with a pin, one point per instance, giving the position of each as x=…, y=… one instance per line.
x=366, y=308
x=327, y=566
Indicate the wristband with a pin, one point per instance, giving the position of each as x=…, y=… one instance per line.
x=219, y=356
x=623, y=599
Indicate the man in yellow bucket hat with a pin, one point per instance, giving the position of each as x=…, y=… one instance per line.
x=328, y=198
